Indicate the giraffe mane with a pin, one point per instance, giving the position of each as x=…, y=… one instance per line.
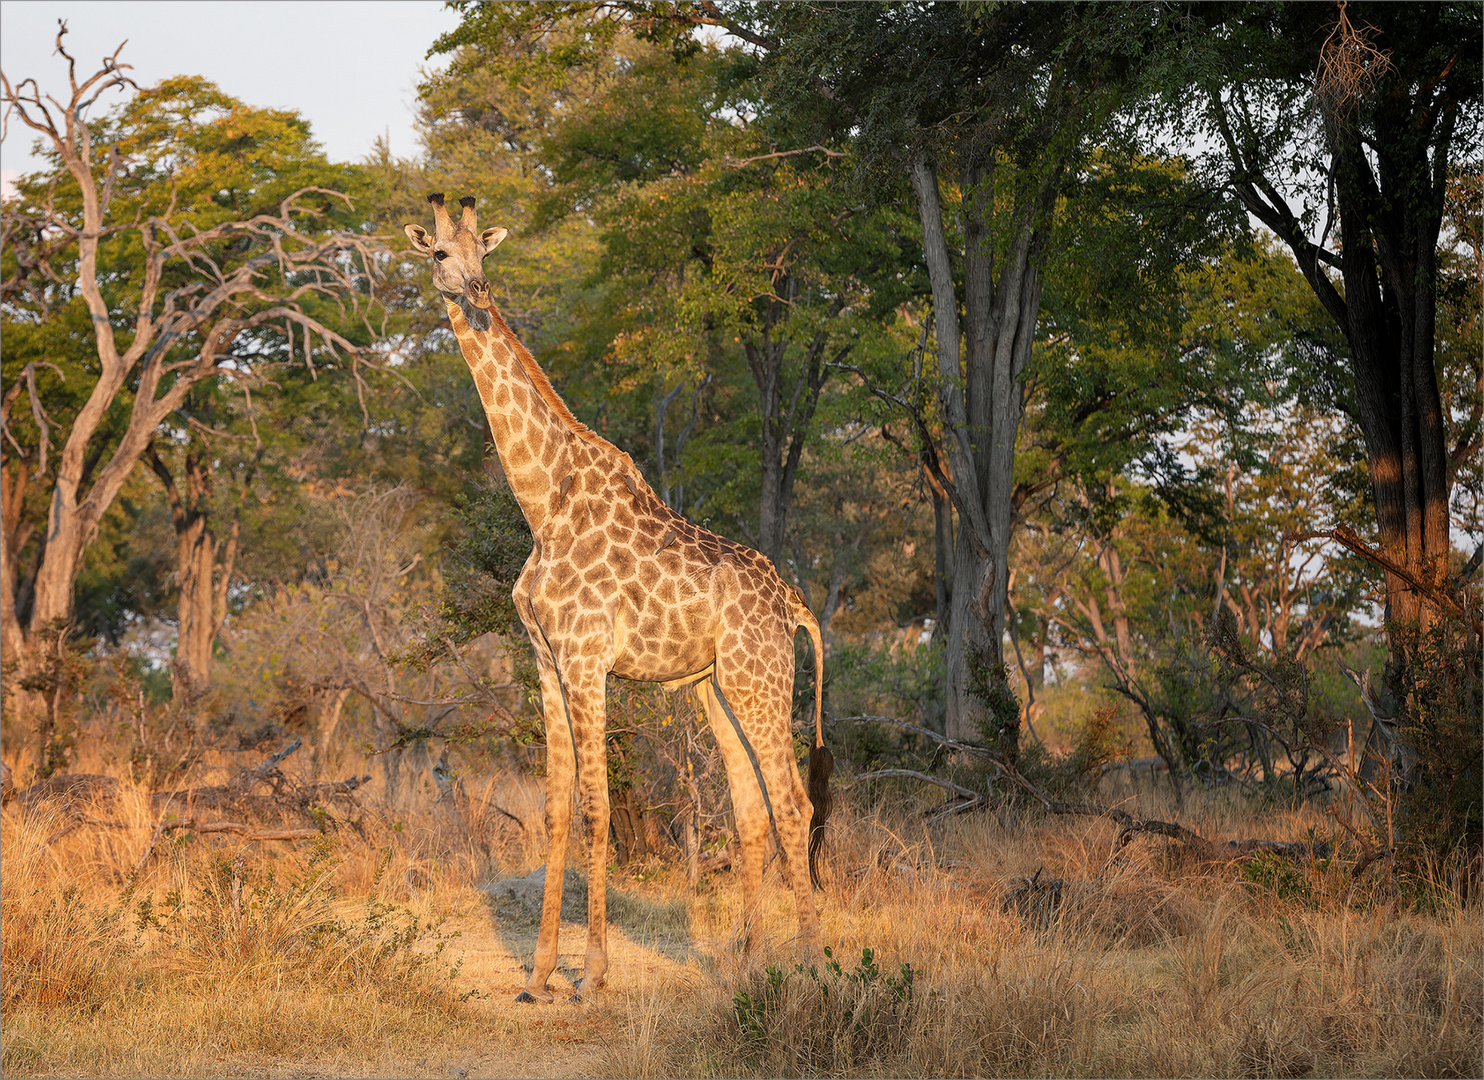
x=548, y=393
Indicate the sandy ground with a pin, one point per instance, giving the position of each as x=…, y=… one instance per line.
x=648, y=944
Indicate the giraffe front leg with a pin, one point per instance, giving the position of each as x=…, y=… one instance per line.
x=587, y=700
x=561, y=775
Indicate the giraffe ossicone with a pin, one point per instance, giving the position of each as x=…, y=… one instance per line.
x=619, y=582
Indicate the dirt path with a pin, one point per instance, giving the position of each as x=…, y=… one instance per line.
x=648, y=944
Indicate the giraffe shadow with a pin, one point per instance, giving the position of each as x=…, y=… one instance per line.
x=639, y=927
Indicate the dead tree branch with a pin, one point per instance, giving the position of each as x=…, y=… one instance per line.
x=1129, y=826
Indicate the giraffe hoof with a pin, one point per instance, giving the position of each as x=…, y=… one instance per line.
x=527, y=998
x=575, y=999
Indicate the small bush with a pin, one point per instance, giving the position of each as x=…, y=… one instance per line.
x=1278, y=877
x=812, y=1021
x=233, y=922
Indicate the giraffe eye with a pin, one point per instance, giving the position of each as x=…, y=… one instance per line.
x=440, y=255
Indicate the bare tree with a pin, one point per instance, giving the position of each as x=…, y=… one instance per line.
x=344, y=642
x=189, y=317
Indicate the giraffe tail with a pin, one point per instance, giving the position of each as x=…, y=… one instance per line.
x=821, y=761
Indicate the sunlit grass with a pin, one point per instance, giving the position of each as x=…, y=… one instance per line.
x=339, y=958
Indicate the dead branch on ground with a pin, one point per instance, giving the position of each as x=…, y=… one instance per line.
x=288, y=800
x=965, y=800
x=247, y=832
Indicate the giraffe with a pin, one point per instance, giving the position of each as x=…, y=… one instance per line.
x=618, y=582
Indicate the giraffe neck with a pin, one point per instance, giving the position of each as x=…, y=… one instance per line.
x=539, y=441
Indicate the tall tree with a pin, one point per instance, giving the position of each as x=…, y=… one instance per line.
x=993, y=110
x=1338, y=128
x=131, y=280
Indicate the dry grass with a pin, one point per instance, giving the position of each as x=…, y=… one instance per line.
x=317, y=959
x=1153, y=966
x=217, y=955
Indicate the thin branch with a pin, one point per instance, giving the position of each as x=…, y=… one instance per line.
x=738, y=163
x=913, y=774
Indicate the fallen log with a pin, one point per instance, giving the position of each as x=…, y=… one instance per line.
x=266, y=817
x=1129, y=826
x=242, y=797
x=247, y=832
x=240, y=786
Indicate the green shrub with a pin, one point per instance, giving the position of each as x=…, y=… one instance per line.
x=828, y=1021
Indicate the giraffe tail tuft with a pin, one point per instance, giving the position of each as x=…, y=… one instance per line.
x=821, y=767
x=821, y=760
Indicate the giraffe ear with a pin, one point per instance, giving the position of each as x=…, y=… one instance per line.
x=491, y=238
x=422, y=243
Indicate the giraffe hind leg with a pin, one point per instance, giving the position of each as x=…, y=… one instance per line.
x=762, y=771
x=749, y=804
x=792, y=812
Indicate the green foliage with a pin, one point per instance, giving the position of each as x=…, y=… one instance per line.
x=493, y=544
x=1136, y=356
x=812, y=1021
x=1280, y=878
x=728, y=274
x=999, y=723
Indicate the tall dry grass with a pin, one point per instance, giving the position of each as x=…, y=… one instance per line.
x=997, y=944
x=1151, y=964
x=215, y=953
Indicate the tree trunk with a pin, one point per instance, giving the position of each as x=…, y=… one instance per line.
x=329, y=721
x=15, y=532
x=674, y=497
x=1390, y=327
x=631, y=840
x=1389, y=194
x=981, y=399
x=942, y=556
x=1036, y=668
x=784, y=430
x=203, y=584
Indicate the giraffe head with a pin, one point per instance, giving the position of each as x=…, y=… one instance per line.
x=458, y=252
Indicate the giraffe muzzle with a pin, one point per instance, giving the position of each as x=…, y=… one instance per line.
x=479, y=293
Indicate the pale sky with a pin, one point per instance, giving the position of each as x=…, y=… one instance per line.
x=350, y=67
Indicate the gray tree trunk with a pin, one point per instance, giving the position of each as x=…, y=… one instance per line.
x=981, y=401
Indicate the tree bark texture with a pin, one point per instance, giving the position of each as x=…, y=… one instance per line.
x=203, y=568
x=981, y=401
x=1389, y=183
